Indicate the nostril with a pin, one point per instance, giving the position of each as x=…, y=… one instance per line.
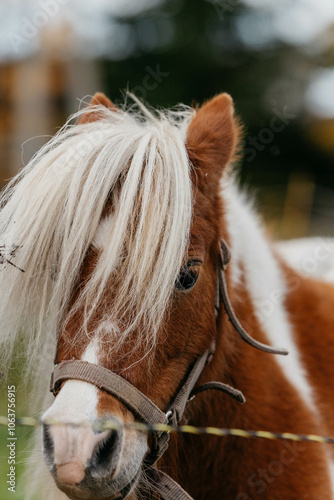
x=106, y=454
x=48, y=445
x=105, y=449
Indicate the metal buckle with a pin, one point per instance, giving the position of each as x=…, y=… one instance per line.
x=169, y=415
x=225, y=254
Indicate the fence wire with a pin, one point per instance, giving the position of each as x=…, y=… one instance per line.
x=104, y=425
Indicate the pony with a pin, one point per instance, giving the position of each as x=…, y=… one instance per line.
x=119, y=229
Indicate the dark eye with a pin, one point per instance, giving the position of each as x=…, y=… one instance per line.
x=187, y=278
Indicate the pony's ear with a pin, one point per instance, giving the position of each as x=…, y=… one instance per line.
x=212, y=139
x=91, y=116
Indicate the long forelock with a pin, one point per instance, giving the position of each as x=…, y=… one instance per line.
x=52, y=210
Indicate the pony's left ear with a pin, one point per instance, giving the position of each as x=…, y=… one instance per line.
x=92, y=116
x=212, y=139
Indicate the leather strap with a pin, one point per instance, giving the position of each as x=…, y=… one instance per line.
x=110, y=382
x=136, y=401
x=175, y=409
x=219, y=386
x=225, y=256
x=181, y=398
x=165, y=486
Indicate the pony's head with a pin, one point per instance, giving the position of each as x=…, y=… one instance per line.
x=117, y=223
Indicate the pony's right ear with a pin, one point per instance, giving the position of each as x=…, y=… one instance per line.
x=212, y=139
x=99, y=99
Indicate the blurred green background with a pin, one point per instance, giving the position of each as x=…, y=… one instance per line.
x=276, y=59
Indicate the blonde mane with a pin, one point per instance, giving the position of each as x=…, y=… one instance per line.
x=52, y=210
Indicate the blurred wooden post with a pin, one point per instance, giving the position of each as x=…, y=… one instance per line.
x=38, y=94
x=7, y=75
x=30, y=111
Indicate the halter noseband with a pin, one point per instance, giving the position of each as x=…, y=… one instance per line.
x=143, y=408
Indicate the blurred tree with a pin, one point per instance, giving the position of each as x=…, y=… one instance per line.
x=187, y=51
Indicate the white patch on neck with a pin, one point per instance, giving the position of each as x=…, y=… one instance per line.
x=251, y=253
x=102, y=236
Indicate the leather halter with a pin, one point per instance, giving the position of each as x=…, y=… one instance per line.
x=143, y=408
